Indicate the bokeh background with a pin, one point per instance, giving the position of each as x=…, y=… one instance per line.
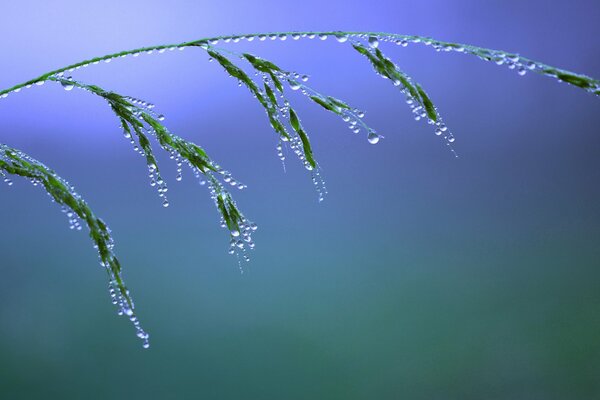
x=421, y=276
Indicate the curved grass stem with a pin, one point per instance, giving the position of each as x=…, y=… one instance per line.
x=585, y=82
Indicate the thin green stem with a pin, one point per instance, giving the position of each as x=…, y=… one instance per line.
x=583, y=81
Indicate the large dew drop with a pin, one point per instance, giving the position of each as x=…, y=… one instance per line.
x=373, y=137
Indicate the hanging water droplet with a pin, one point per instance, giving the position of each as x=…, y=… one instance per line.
x=165, y=203
x=322, y=36
x=341, y=38
x=373, y=137
x=67, y=85
x=373, y=42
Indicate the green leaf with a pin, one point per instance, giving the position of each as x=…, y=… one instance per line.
x=326, y=104
x=580, y=81
x=429, y=107
x=295, y=123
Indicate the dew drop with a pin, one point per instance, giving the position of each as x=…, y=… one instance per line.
x=67, y=85
x=341, y=38
x=373, y=42
x=373, y=137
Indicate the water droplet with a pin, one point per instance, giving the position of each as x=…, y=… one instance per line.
x=165, y=203
x=67, y=85
x=341, y=38
x=373, y=42
x=373, y=137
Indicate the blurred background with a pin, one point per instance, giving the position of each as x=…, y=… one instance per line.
x=421, y=276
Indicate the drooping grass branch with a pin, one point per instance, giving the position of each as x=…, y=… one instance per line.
x=267, y=83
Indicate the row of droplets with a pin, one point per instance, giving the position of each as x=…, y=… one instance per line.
x=123, y=309
x=512, y=61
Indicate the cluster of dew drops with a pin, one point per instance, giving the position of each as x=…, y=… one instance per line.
x=296, y=81
x=123, y=308
x=116, y=296
x=512, y=61
x=241, y=240
x=73, y=218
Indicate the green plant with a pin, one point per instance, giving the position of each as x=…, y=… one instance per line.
x=139, y=122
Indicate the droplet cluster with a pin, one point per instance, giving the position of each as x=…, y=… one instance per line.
x=60, y=191
x=240, y=228
x=139, y=121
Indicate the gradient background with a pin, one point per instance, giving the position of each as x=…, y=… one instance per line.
x=420, y=276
